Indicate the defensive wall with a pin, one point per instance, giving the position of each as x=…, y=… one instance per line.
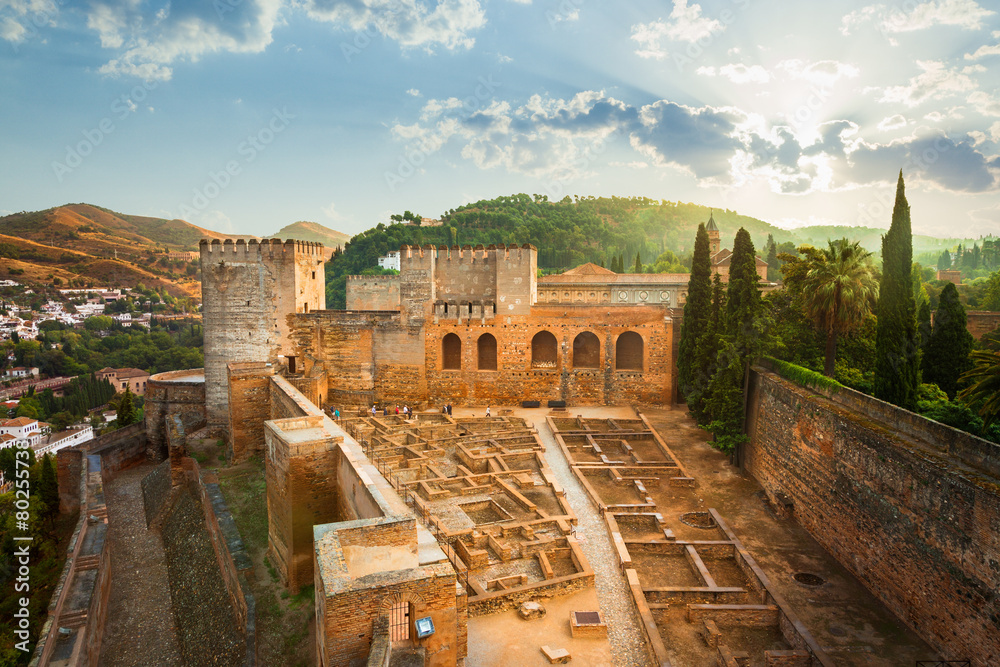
x=74, y=627
x=908, y=505
x=180, y=393
x=589, y=355
x=980, y=322
x=248, y=288
x=334, y=521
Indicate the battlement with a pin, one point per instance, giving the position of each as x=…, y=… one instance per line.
x=241, y=250
x=373, y=278
x=467, y=252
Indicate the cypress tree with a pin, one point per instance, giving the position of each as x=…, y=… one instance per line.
x=706, y=354
x=947, y=353
x=126, y=410
x=697, y=310
x=48, y=486
x=924, y=325
x=638, y=263
x=897, y=372
x=742, y=340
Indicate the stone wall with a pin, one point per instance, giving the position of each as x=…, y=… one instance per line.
x=249, y=390
x=69, y=465
x=119, y=449
x=301, y=474
x=385, y=357
x=981, y=322
x=372, y=293
x=180, y=393
x=247, y=291
x=912, y=508
x=155, y=492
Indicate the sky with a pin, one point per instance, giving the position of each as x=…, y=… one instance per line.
x=243, y=116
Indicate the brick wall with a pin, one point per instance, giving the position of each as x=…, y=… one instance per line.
x=301, y=474
x=398, y=361
x=179, y=393
x=919, y=527
x=69, y=464
x=249, y=390
x=349, y=616
x=119, y=449
x=372, y=293
x=980, y=322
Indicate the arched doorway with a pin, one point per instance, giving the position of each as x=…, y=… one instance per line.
x=451, y=353
x=486, y=352
x=586, y=351
x=629, y=352
x=544, y=350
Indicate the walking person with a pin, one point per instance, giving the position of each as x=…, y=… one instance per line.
x=487, y=411
x=374, y=412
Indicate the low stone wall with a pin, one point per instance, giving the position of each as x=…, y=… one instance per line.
x=910, y=507
x=119, y=449
x=80, y=599
x=981, y=322
x=155, y=492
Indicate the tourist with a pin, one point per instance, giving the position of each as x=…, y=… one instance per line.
x=374, y=412
x=487, y=411
x=385, y=411
x=397, y=410
x=449, y=409
x=336, y=415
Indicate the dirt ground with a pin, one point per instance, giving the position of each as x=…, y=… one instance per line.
x=844, y=617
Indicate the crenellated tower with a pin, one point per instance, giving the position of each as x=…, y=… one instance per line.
x=248, y=288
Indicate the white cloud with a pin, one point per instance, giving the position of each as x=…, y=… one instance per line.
x=179, y=32
x=892, y=123
x=557, y=139
x=823, y=73
x=985, y=103
x=685, y=24
x=738, y=73
x=935, y=82
x=984, y=51
x=995, y=131
x=21, y=18
x=414, y=92
x=331, y=212
x=891, y=20
x=411, y=23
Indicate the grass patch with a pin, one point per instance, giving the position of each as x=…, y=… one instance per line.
x=803, y=376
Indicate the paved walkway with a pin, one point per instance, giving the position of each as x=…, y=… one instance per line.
x=628, y=644
x=140, y=626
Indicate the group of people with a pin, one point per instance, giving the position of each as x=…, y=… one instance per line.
x=407, y=412
x=446, y=410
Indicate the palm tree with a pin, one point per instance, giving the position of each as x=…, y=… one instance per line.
x=839, y=290
x=984, y=384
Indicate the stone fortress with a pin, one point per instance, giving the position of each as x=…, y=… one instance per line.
x=407, y=524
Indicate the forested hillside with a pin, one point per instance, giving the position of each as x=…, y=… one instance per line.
x=567, y=233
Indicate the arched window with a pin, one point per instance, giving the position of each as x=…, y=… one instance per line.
x=544, y=350
x=451, y=353
x=586, y=351
x=629, y=352
x=486, y=349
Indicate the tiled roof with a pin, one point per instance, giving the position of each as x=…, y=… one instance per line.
x=615, y=279
x=17, y=421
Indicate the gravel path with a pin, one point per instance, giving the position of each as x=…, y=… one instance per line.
x=140, y=626
x=628, y=643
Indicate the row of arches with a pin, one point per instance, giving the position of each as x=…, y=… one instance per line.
x=586, y=351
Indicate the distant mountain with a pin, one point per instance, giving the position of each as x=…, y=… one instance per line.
x=82, y=244
x=871, y=238
x=313, y=231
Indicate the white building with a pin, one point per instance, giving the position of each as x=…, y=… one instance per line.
x=390, y=261
x=68, y=438
x=22, y=429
